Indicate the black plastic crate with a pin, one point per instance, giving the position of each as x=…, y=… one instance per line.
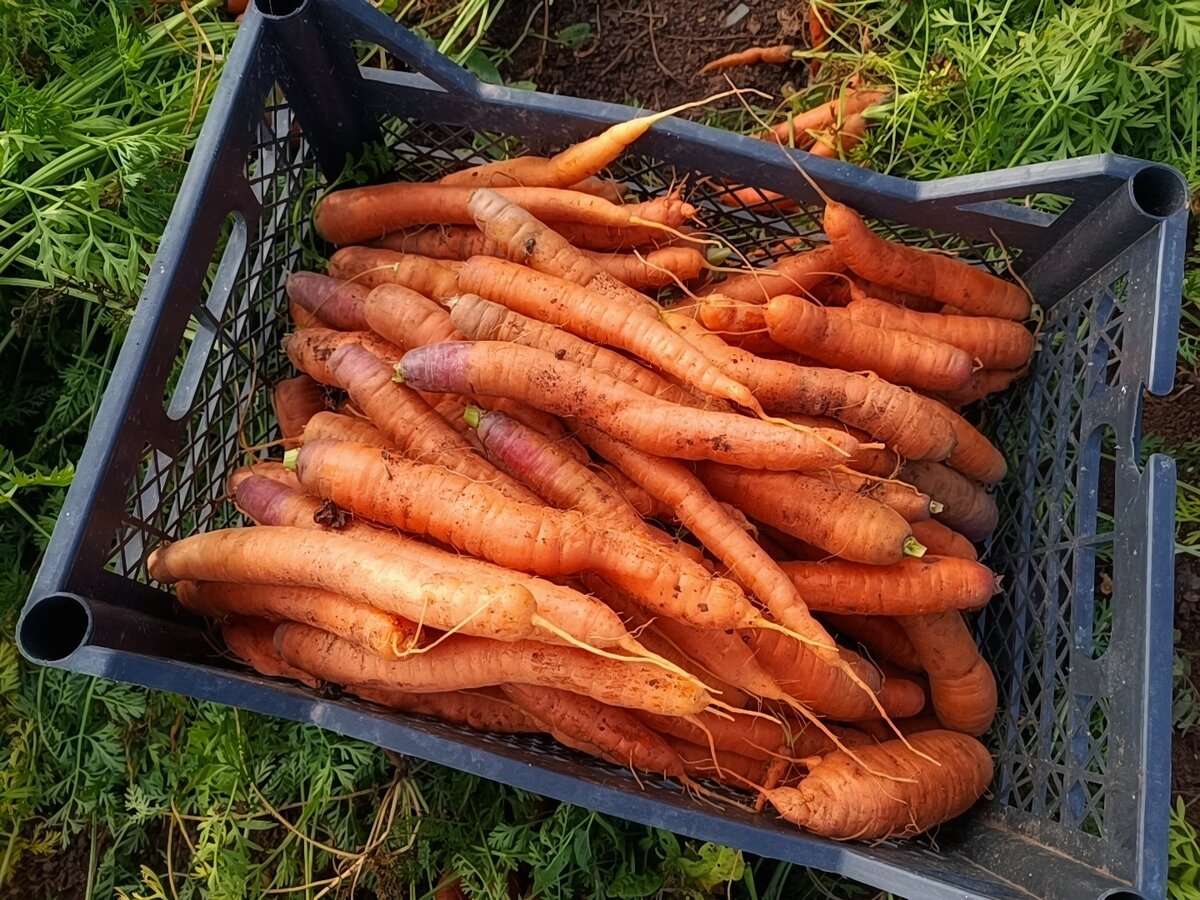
x=1080, y=639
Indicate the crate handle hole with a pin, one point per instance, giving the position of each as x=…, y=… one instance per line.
x=1121, y=894
x=55, y=627
x=1158, y=191
x=280, y=8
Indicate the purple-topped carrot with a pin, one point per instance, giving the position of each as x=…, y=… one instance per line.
x=498, y=369
x=338, y=303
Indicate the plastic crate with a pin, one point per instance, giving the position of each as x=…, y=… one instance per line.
x=1080, y=639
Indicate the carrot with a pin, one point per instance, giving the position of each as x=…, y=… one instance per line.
x=435, y=596
x=352, y=215
x=974, y=455
x=962, y=685
x=746, y=561
x=840, y=800
x=818, y=37
x=793, y=274
x=579, y=161
x=482, y=320
x=253, y=642
x=612, y=191
x=837, y=140
x=372, y=629
x=592, y=727
x=551, y=473
x=536, y=377
x=337, y=302
x=655, y=269
x=336, y=427
x=911, y=425
x=302, y=318
x=371, y=267
x=942, y=278
x=942, y=541
x=583, y=619
x=992, y=343
x=296, y=400
x=461, y=662
x=911, y=504
x=637, y=237
x=966, y=506
x=898, y=356
x=310, y=350
x=828, y=690
x=797, y=131
x=909, y=587
x=406, y=318
x=743, y=325
x=476, y=519
x=266, y=469
x=485, y=709
x=883, y=638
x=751, y=736
x=982, y=383
x=776, y=55
x=859, y=288
x=725, y=766
x=809, y=508
x=634, y=494
x=596, y=318
x=409, y=423
x=879, y=731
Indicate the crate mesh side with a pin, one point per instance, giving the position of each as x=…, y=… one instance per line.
x=1052, y=752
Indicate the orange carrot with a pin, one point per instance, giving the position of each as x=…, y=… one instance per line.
x=776, y=55
x=302, y=318
x=596, y=318
x=837, y=140
x=253, y=642
x=406, y=318
x=267, y=469
x=933, y=275
x=485, y=709
x=655, y=269
x=793, y=274
x=809, y=508
x=352, y=215
x=974, y=455
x=942, y=541
x=339, y=303
x=747, y=563
x=962, y=684
x=579, y=161
x=582, y=618
x=992, y=343
x=634, y=494
x=635, y=237
x=797, y=131
x=751, y=736
x=561, y=387
x=818, y=37
x=476, y=519
x=372, y=629
x=827, y=690
x=482, y=320
x=882, y=636
x=371, y=267
x=336, y=427
x=592, y=727
x=912, y=425
x=898, y=356
x=296, y=400
x=839, y=799
x=461, y=662
x=980, y=384
x=966, y=506
x=909, y=587
x=911, y=504
x=435, y=596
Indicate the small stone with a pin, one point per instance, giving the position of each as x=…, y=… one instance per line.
x=739, y=12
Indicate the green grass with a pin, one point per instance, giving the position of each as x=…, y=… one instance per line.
x=164, y=797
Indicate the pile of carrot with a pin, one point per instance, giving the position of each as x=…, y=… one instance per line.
x=729, y=539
